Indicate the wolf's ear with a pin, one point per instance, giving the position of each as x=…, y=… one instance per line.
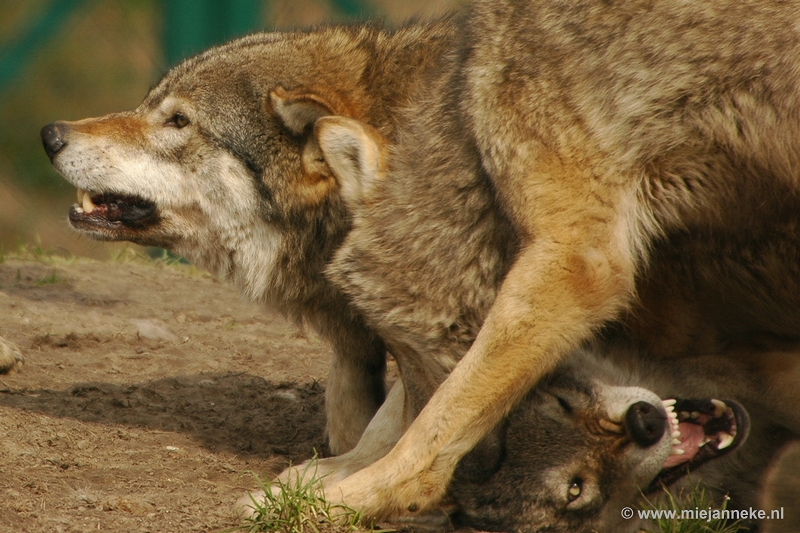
x=299, y=108
x=355, y=153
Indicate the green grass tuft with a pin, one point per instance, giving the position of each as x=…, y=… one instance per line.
x=692, y=498
x=299, y=506
x=49, y=279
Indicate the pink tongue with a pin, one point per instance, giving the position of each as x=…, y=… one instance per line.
x=691, y=437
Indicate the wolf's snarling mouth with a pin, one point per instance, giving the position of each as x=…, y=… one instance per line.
x=109, y=212
x=702, y=430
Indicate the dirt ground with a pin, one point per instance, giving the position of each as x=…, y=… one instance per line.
x=148, y=394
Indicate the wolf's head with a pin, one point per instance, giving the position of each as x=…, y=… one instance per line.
x=220, y=164
x=582, y=446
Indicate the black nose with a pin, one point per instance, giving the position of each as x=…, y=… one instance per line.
x=645, y=423
x=53, y=138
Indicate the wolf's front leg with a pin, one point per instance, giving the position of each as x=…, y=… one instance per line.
x=355, y=388
x=558, y=292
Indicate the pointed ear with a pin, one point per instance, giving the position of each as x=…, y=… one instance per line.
x=355, y=152
x=299, y=108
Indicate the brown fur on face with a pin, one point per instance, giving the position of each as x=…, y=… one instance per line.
x=583, y=134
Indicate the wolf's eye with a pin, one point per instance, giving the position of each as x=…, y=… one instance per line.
x=564, y=404
x=177, y=120
x=575, y=489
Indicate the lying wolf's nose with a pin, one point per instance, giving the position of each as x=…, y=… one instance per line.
x=645, y=423
x=53, y=138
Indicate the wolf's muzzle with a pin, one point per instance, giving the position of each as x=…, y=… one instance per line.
x=54, y=138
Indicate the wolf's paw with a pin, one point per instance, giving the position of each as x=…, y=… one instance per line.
x=10, y=356
x=245, y=507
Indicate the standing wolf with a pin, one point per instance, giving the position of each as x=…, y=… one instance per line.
x=600, y=129
x=218, y=164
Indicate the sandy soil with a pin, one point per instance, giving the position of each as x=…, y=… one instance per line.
x=148, y=394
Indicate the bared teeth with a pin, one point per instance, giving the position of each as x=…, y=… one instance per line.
x=611, y=426
x=725, y=440
x=80, y=195
x=86, y=202
x=719, y=408
x=677, y=451
x=672, y=416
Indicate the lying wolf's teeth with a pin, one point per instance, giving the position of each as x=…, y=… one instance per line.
x=80, y=195
x=610, y=426
x=676, y=442
x=669, y=403
x=676, y=434
x=719, y=407
x=677, y=451
x=724, y=441
x=88, y=206
x=684, y=414
x=694, y=415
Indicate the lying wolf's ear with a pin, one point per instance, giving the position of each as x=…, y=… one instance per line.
x=355, y=153
x=299, y=108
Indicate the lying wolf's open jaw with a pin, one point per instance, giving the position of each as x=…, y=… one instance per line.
x=571, y=465
x=702, y=430
x=112, y=216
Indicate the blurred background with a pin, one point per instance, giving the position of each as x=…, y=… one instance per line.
x=72, y=59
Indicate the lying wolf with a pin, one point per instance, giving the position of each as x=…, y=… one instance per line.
x=585, y=135
x=605, y=431
x=219, y=165
x=501, y=484
x=591, y=439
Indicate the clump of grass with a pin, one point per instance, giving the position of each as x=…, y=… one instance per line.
x=37, y=253
x=694, y=498
x=49, y=279
x=299, y=506
x=155, y=257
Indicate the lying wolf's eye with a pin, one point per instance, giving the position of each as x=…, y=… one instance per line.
x=178, y=121
x=564, y=404
x=575, y=489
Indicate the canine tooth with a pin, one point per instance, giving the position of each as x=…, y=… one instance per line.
x=80, y=195
x=611, y=426
x=88, y=206
x=724, y=441
x=719, y=407
x=669, y=403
